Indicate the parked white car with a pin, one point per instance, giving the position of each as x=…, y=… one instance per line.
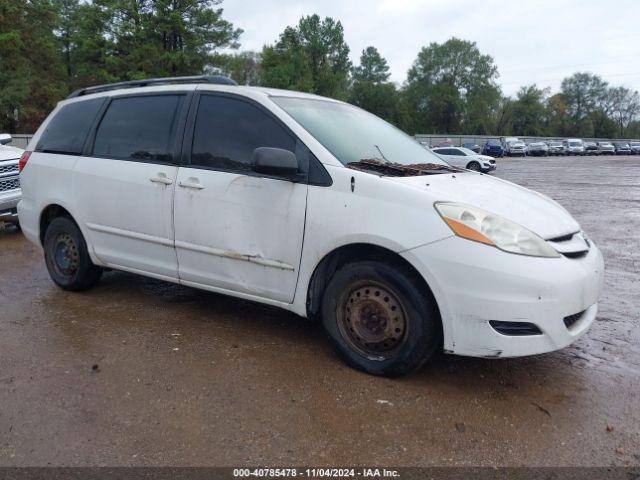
x=515, y=148
x=606, y=148
x=309, y=204
x=573, y=146
x=466, y=158
x=9, y=180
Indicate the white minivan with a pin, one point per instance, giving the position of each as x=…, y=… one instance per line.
x=309, y=204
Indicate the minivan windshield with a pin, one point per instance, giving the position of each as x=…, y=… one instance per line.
x=352, y=134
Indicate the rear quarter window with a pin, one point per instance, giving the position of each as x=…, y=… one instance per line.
x=68, y=129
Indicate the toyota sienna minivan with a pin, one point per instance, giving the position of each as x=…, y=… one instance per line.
x=308, y=204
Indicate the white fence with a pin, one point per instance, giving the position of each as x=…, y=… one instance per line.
x=459, y=140
x=21, y=140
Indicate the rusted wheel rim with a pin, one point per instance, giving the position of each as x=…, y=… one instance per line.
x=66, y=257
x=372, y=320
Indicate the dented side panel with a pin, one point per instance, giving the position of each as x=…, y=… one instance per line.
x=240, y=233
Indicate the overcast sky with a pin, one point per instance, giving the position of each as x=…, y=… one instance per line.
x=539, y=41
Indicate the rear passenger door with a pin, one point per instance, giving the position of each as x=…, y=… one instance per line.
x=237, y=230
x=454, y=157
x=124, y=185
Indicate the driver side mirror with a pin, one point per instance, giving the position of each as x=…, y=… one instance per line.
x=275, y=162
x=5, y=138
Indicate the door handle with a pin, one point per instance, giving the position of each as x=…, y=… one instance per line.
x=191, y=183
x=161, y=178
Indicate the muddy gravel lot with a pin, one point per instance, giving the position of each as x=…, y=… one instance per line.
x=141, y=372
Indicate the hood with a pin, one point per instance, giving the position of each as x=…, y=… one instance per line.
x=532, y=210
x=9, y=153
x=485, y=157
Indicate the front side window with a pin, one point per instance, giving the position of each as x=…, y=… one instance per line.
x=68, y=129
x=228, y=130
x=139, y=128
x=465, y=152
x=352, y=134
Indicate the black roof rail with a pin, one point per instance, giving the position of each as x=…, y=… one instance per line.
x=214, y=79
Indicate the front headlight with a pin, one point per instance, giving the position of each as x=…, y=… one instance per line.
x=481, y=226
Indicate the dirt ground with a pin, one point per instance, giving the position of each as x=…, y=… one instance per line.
x=141, y=372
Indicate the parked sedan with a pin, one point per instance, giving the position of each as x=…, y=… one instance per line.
x=606, y=148
x=635, y=147
x=10, y=192
x=493, y=148
x=622, y=148
x=474, y=147
x=538, y=149
x=465, y=158
x=555, y=148
x=590, y=148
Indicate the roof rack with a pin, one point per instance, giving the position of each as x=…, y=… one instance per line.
x=214, y=79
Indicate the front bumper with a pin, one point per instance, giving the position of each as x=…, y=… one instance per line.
x=8, y=204
x=475, y=284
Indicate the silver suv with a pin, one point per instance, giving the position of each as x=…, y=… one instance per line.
x=10, y=192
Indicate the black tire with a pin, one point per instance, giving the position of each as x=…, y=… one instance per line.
x=397, y=299
x=67, y=258
x=475, y=166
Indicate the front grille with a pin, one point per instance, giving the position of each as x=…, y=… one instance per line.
x=8, y=168
x=515, y=329
x=570, y=320
x=575, y=254
x=563, y=238
x=10, y=184
x=571, y=250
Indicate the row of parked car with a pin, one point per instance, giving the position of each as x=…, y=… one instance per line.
x=512, y=146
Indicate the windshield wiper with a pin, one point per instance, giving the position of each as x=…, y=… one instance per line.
x=399, y=170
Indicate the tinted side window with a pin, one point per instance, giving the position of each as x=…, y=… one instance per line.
x=228, y=130
x=68, y=129
x=139, y=128
x=444, y=151
x=455, y=151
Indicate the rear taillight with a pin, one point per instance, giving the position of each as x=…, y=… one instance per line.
x=23, y=160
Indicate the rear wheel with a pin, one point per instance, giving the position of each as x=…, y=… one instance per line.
x=380, y=319
x=67, y=258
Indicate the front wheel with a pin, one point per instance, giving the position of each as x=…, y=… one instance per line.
x=475, y=166
x=380, y=318
x=67, y=258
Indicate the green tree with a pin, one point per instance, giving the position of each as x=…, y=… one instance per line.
x=453, y=88
x=371, y=89
x=31, y=72
x=187, y=34
x=373, y=67
x=529, y=111
x=244, y=67
x=310, y=57
x=583, y=94
x=557, y=119
x=625, y=107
